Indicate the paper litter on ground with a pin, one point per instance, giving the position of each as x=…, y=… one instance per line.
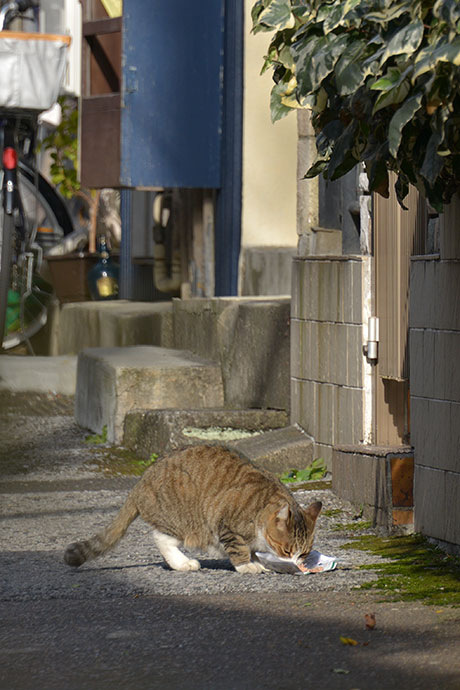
x=315, y=562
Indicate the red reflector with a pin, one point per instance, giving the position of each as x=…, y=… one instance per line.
x=10, y=158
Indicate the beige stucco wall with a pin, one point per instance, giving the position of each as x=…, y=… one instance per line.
x=269, y=154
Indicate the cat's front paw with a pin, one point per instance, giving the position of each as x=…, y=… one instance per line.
x=190, y=564
x=250, y=568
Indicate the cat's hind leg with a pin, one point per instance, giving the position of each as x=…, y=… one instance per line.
x=168, y=547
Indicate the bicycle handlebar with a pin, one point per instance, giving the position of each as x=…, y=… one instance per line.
x=12, y=9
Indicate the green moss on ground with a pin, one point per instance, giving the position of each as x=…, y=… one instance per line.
x=115, y=461
x=413, y=569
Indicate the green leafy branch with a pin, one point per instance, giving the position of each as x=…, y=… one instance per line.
x=382, y=80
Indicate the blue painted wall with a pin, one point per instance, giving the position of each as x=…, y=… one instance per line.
x=172, y=93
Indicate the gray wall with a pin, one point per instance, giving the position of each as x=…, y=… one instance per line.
x=326, y=351
x=435, y=384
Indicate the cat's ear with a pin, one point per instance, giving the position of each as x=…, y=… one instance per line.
x=313, y=510
x=283, y=514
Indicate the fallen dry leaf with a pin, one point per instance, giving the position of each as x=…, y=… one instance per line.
x=348, y=640
x=370, y=620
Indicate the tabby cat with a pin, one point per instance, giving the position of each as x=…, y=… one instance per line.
x=209, y=498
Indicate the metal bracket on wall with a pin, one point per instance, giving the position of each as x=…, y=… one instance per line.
x=371, y=347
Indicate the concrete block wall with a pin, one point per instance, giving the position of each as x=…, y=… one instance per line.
x=250, y=339
x=326, y=351
x=266, y=270
x=435, y=391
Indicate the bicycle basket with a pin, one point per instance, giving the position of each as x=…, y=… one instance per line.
x=32, y=69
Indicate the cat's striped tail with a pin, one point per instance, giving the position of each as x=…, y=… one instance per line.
x=79, y=552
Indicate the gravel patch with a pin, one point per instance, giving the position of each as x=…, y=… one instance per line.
x=51, y=494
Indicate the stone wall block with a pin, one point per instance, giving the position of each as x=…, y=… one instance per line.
x=436, y=433
x=429, y=500
x=360, y=479
x=325, y=350
x=353, y=352
x=256, y=367
x=304, y=404
x=449, y=235
x=423, y=280
x=356, y=294
x=344, y=417
x=417, y=362
x=301, y=349
x=447, y=376
x=297, y=347
x=326, y=396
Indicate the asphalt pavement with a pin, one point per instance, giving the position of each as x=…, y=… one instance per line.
x=127, y=621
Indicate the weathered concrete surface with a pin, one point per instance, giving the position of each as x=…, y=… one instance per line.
x=247, y=336
x=39, y=374
x=367, y=477
x=117, y=323
x=266, y=270
x=160, y=431
x=278, y=450
x=250, y=339
x=113, y=381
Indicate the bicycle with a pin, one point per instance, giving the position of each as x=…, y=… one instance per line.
x=33, y=216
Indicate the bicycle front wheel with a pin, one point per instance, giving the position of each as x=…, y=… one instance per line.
x=26, y=294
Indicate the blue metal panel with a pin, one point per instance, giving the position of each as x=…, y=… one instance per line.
x=228, y=220
x=171, y=93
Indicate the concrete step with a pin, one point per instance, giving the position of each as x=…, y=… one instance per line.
x=162, y=431
x=113, y=381
x=38, y=374
x=279, y=450
x=260, y=435
x=117, y=323
x=380, y=480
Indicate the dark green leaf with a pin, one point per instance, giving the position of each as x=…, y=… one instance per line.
x=378, y=178
x=323, y=61
x=277, y=15
x=393, y=96
x=433, y=162
x=401, y=117
x=333, y=18
x=405, y=41
x=316, y=169
x=341, y=160
x=349, y=73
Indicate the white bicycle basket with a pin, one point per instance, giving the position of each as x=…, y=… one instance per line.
x=32, y=69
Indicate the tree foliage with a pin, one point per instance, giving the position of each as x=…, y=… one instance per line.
x=382, y=79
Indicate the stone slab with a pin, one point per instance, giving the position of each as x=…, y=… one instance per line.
x=161, y=431
x=117, y=323
x=279, y=450
x=379, y=481
x=249, y=337
x=113, y=381
x=38, y=374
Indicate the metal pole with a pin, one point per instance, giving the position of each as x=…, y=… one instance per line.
x=126, y=266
